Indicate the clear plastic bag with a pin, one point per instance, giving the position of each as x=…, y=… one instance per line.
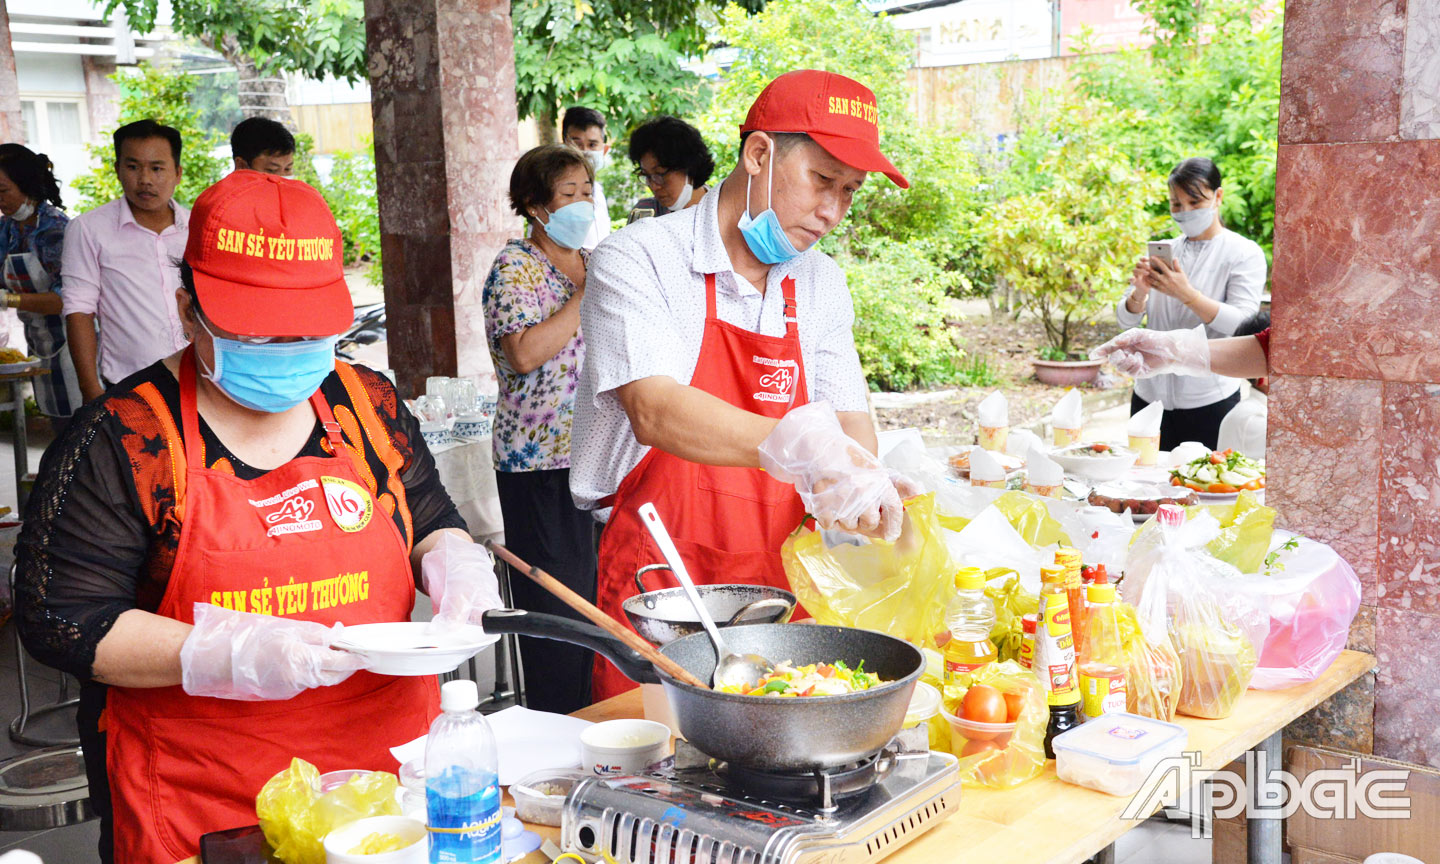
x=1311, y=596
x=1152, y=668
x=897, y=588
x=1217, y=630
x=295, y=816
x=1000, y=755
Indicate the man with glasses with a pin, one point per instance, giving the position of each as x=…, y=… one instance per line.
x=671, y=158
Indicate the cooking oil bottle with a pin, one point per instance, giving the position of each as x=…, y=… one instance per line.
x=1102, y=662
x=970, y=617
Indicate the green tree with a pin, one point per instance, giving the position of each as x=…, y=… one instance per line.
x=313, y=37
x=1069, y=244
x=164, y=96
x=620, y=57
x=1210, y=86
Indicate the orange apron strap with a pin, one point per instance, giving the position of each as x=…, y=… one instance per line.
x=378, y=436
x=792, y=323
x=174, y=445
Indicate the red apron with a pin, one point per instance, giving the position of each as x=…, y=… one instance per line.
x=728, y=523
x=305, y=541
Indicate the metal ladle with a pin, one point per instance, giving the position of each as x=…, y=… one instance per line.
x=732, y=670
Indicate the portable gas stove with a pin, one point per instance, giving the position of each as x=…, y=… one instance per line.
x=694, y=810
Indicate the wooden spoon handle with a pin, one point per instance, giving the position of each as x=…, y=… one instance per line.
x=597, y=616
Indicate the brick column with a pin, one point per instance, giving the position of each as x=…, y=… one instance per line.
x=1354, y=450
x=12, y=124
x=442, y=78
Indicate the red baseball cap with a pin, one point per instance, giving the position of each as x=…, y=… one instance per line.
x=839, y=113
x=266, y=253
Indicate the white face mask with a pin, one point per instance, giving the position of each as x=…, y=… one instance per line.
x=1194, y=222
x=683, y=200
x=599, y=160
x=24, y=211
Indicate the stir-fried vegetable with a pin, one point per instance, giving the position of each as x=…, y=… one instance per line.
x=813, y=679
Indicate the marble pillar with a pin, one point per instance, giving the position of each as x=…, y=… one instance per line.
x=12, y=123
x=442, y=79
x=1354, y=446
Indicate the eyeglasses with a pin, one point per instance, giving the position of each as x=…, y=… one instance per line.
x=653, y=179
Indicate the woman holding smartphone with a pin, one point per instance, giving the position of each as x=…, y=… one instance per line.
x=1212, y=278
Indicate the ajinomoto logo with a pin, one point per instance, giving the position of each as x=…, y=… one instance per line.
x=777, y=380
x=350, y=504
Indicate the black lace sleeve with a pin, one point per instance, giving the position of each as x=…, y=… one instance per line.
x=83, y=546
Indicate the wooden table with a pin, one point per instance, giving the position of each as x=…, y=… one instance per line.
x=1048, y=821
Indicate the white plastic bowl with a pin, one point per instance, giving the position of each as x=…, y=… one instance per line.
x=411, y=648
x=623, y=746
x=1099, y=468
x=339, y=842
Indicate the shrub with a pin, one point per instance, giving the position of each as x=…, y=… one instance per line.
x=351, y=196
x=1069, y=245
x=900, y=330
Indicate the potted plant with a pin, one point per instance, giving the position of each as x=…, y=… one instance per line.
x=1068, y=239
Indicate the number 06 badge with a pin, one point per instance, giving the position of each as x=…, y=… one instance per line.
x=350, y=504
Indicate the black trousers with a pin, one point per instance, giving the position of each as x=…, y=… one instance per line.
x=545, y=528
x=1190, y=424
x=92, y=744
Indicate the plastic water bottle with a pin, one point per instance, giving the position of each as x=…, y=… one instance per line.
x=970, y=616
x=462, y=795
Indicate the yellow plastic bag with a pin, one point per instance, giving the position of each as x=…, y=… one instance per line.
x=1012, y=603
x=296, y=817
x=1153, y=678
x=897, y=588
x=1246, y=529
x=1031, y=519
x=999, y=758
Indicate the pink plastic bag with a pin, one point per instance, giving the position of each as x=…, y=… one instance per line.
x=1311, y=596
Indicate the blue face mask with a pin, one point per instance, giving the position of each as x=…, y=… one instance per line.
x=763, y=234
x=569, y=225
x=271, y=377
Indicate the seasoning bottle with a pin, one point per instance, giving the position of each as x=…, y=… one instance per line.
x=1027, y=641
x=1074, y=591
x=1055, y=654
x=969, y=617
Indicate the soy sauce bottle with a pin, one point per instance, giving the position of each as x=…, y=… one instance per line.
x=1062, y=719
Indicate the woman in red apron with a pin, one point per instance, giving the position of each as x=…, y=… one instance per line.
x=290, y=494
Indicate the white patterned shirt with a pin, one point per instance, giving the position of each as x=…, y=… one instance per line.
x=644, y=315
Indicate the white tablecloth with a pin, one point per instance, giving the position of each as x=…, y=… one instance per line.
x=467, y=469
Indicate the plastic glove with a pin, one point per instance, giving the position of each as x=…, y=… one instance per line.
x=459, y=576
x=841, y=483
x=1141, y=353
x=249, y=657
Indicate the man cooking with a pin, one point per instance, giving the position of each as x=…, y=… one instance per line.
x=721, y=377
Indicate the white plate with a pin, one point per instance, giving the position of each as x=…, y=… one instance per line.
x=409, y=648
x=22, y=366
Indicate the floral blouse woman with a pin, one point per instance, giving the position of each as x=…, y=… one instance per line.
x=532, y=321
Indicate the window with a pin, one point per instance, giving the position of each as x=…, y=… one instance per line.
x=58, y=127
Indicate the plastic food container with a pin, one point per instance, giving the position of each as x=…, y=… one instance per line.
x=340, y=842
x=924, y=704
x=1114, y=753
x=540, y=796
x=963, y=731
x=332, y=780
x=623, y=746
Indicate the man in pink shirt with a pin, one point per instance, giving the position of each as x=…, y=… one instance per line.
x=120, y=264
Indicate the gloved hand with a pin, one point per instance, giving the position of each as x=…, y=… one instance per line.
x=249, y=657
x=459, y=576
x=841, y=483
x=1141, y=353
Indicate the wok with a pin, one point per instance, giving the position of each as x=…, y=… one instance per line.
x=665, y=615
x=758, y=732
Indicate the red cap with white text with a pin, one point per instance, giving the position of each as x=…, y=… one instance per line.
x=266, y=254
x=838, y=113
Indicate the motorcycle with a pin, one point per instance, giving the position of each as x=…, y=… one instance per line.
x=369, y=328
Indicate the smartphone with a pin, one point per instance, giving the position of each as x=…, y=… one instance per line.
x=1162, y=249
x=236, y=846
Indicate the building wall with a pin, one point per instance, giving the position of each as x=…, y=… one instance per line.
x=1354, y=448
x=984, y=99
